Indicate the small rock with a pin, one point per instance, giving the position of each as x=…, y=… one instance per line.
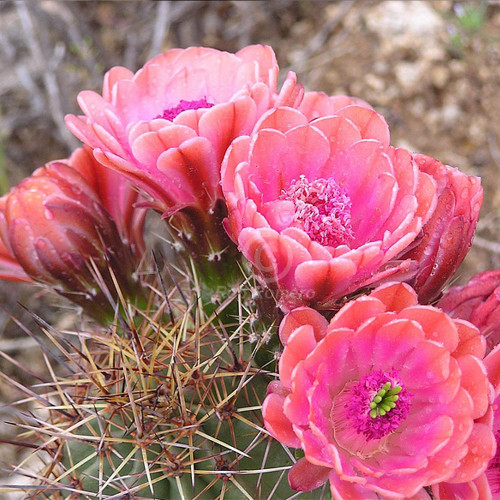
x=440, y=76
x=404, y=21
x=410, y=75
x=450, y=113
x=374, y=82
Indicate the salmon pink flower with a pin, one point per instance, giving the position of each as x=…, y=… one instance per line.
x=167, y=128
x=55, y=227
x=323, y=205
x=478, y=302
x=388, y=398
x=447, y=236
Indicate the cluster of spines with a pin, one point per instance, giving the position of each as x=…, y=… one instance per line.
x=167, y=399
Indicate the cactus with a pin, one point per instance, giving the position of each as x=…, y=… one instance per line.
x=165, y=403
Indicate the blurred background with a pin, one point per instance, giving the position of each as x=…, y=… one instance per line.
x=431, y=68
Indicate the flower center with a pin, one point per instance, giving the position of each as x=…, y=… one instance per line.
x=379, y=402
x=322, y=210
x=171, y=113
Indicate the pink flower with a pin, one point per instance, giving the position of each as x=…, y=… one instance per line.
x=55, y=227
x=325, y=207
x=384, y=400
x=447, y=236
x=478, y=302
x=167, y=127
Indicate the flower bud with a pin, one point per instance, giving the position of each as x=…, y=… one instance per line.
x=478, y=302
x=447, y=236
x=58, y=231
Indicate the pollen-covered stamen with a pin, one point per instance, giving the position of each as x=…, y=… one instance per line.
x=379, y=402
x=171, y=113
x=385, y=400
x=322, y=210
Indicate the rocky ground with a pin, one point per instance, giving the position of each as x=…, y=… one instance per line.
x=431, y=68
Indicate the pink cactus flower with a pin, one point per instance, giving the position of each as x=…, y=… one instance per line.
x=55, y=227
x=167, y=128
x=447, y=236
x=388, y=398
x=323, y=206
x=478, y=302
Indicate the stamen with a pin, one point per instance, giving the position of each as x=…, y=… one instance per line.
x=322, y=210
x=171, y=113
x=378, y=404
x=385, y=400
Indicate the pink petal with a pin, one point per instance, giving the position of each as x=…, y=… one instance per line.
x=149, y=146
x=437, y=433
x=111, y=77
x=475, y=382
x=304, y=476
x=317, y=280
x=191, y=167
x=296, y=405
x=224, y=122
x=291, y=93
x=482, y=447
x=346, y=490
x=399, y=337
x=492, y=363
x=341, y=132
x=355, y=313
x=302, y=316
x=395, y=296
x=300, y=343
x=256, y=249
x=369, y=122
x=282, y=119
x=317, y=104
x=438, y=326
x=471, y=341
x=276, y=422
x=461, y=491
x=263, y=55
x=317, y=251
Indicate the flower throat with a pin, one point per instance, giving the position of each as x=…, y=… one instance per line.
x=171, y=113
x=322, y=210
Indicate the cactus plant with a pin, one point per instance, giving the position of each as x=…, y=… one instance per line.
x=165, y=403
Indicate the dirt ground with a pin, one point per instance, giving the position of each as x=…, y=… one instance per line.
x=431, y=68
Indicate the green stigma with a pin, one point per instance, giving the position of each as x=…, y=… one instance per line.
x=385, y=400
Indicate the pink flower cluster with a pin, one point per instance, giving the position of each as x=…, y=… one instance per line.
x=311, y=190
x=393, y=397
